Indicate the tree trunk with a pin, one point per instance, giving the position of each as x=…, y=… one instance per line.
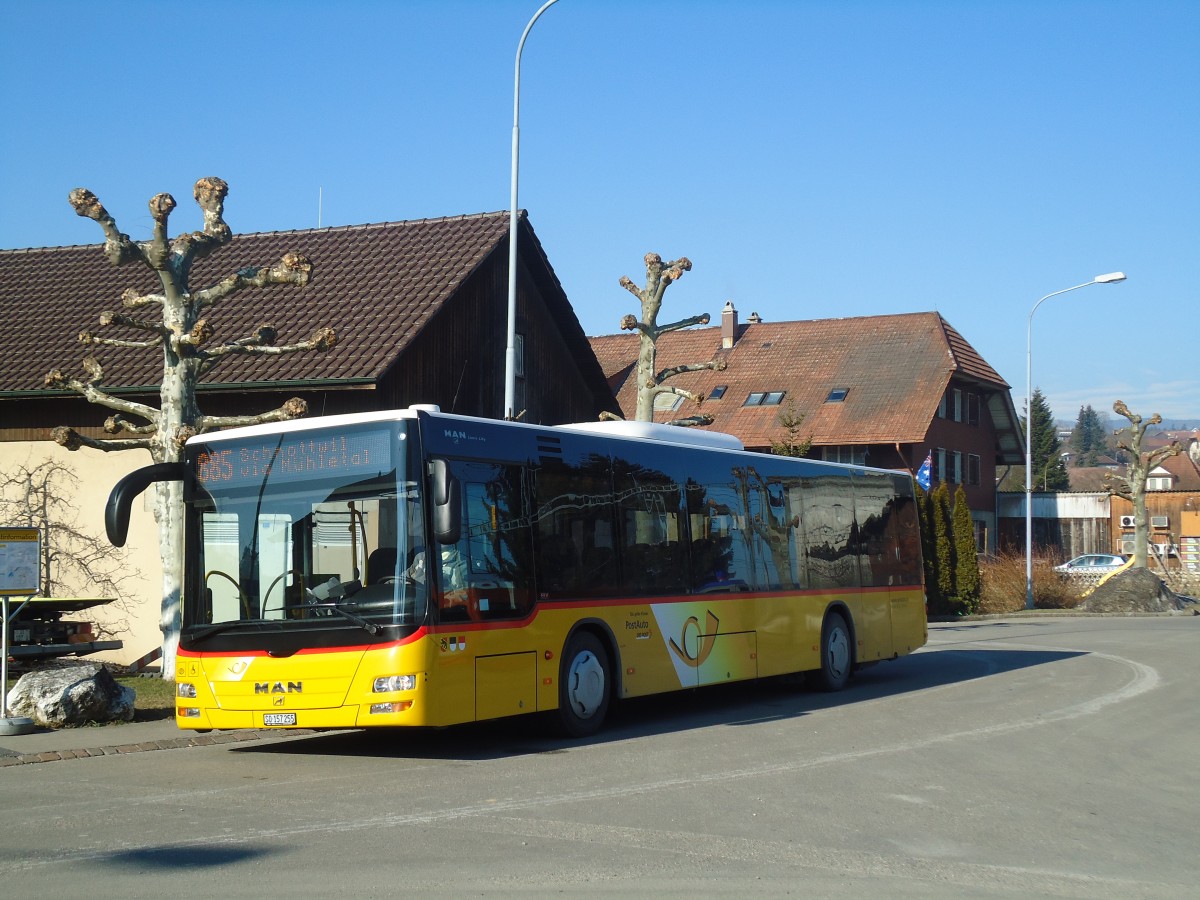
x=168, y=513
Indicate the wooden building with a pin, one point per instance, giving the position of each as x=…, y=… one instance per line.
x=419, y=308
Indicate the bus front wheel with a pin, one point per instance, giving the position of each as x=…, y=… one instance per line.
x=584, y=686
x=837, y=653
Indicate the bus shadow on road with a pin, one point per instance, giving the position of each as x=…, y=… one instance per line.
x=188, y=856
x=735, y=704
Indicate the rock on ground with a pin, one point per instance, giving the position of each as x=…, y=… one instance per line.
x=1132, y=591
x=75, y=695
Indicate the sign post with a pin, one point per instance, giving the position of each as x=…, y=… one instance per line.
x=20, y=576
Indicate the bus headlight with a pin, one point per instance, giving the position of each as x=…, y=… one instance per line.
x=183, y=689
x=188, y=712
x=391, y=683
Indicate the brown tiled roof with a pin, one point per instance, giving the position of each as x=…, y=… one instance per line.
x=376, y=285
x=895, y=368
x=1185, y=469
x=1088, y=478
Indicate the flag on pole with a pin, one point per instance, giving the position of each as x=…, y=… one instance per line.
x=925, y=473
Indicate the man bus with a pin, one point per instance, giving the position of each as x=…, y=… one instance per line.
x=418, y=568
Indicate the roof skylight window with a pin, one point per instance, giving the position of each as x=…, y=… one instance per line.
x=837, y=395
x=765, y=398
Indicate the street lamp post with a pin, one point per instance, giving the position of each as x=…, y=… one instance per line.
x=1111, y=278
x=510, y=352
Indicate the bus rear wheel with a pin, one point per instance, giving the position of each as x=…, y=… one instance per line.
x=584, y=686
x=837, y=653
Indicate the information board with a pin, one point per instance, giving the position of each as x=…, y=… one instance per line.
x=20, y=560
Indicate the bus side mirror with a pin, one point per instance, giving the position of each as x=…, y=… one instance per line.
x=116, y=513
x=446, y=496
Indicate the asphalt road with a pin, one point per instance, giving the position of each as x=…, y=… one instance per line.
x=1049, y=757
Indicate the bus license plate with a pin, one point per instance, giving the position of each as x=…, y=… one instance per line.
x=279, y=718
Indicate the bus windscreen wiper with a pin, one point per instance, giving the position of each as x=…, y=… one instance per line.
x=225, y=626
x=370, y=627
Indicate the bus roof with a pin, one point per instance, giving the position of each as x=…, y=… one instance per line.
x=667, y=434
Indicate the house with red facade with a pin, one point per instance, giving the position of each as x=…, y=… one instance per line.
x=882, y=391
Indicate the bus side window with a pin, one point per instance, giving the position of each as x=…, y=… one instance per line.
x=574, y=514
x=651, y=505
x=487, y=572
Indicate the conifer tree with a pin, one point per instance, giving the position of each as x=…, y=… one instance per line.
x=933, y=599
x=1049, y=471
x=943, y=541
x=966, y=561
x=1088, y=439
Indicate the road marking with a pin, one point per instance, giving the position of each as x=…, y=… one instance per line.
x=1144, y=679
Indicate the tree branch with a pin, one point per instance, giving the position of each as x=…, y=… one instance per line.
x=630, y=323
x=627, y=283
x=693, y=421
x=108, y=319
x=322, y=339
x=131, y=299
x=292, y=409
x=1154, y=457
x=118, y=247
x=73, y=440
x=292, y=269
x=717, y=365
x=702, y=319
x=118, y=423
x=89, y=390
x=88, y=339
x=210, y=195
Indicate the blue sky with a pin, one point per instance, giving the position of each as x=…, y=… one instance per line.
x=812, y=159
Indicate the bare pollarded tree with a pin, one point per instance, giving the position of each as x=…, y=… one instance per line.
x=659, y=276
x=1132, y=485
x=177, y=324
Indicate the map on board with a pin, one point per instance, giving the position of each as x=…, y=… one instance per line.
x=19, y=560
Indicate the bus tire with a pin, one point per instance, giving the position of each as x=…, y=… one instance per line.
x=584, y=686
x=837, y=653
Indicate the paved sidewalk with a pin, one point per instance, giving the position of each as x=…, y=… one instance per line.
x=51, y=745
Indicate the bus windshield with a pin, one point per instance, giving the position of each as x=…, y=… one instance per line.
x=308, y=530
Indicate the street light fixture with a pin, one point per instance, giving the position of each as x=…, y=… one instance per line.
x=1111, y=278
x=510, y=352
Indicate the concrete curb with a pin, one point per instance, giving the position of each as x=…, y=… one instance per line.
x=179, y=743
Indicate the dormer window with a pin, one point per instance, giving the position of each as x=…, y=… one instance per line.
x=837, y=395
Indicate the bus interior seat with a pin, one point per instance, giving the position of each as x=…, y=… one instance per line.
x=381, y=564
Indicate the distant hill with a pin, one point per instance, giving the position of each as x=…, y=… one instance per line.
x=1112, y=423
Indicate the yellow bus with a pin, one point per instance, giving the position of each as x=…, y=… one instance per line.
x=418, y=568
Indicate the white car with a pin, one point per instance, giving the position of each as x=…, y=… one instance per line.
x=1093, y=564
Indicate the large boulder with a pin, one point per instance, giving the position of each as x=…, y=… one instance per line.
x=1132, y=591
x=72, y=695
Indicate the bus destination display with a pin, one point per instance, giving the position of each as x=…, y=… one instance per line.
x=297, y=457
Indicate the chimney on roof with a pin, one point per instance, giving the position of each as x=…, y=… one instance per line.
x=754, y=319
x=728, y=326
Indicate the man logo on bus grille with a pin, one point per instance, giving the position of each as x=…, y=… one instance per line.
x=278, y=687
x=703, y=640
